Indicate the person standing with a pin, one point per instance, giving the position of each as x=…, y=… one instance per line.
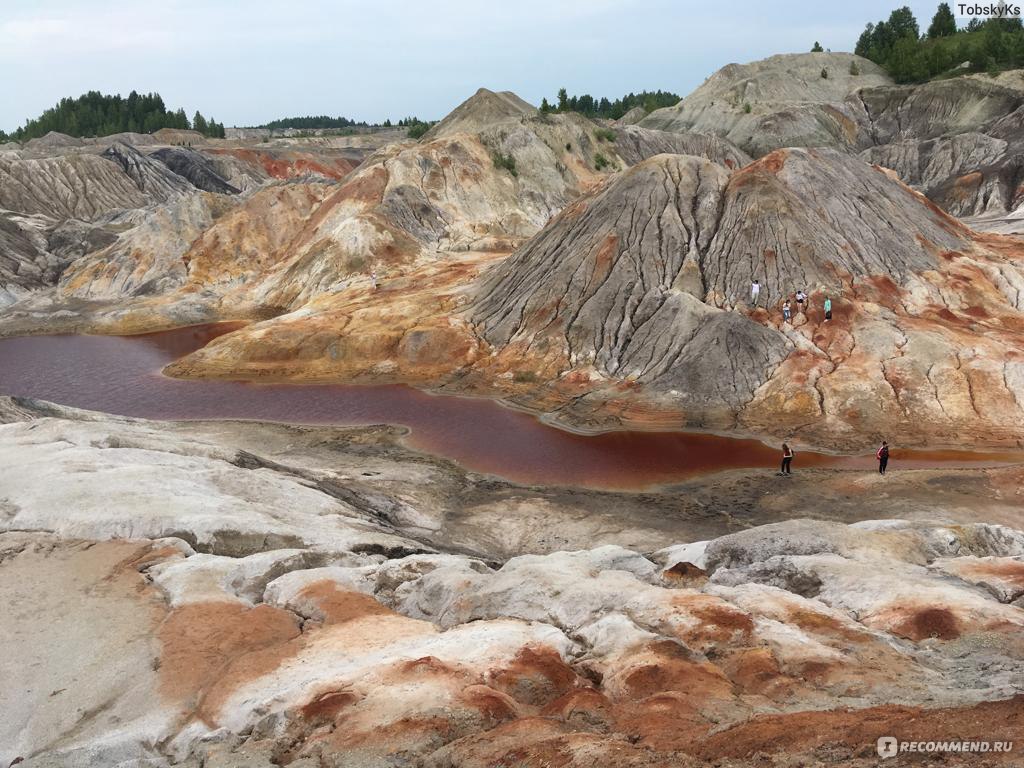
x=787, y=311
x=883, y=457
x=755, y=291
x=373, y=279
x=787, y=460
x=801, y=300
x=828, y=309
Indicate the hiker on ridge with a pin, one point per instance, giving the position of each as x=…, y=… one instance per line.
x=883, y=457
x=787, y=311
x=755, y=291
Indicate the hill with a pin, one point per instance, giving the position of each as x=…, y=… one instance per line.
x=782, y=101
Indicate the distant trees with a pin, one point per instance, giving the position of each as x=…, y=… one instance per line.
x=817, y=48
x=898, y=47
x=97, y=114
x=416, y=127
x=312, y=123
x=604, y=107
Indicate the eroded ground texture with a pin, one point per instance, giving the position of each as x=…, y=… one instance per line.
x=239, y=594
x=598, y=274
x=245, y=595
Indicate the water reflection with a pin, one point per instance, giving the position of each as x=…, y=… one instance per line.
x=122, y=375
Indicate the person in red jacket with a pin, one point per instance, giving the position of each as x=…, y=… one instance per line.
x=883, y=457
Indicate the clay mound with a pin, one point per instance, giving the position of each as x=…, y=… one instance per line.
x=482, y=110
x=53, y=140
x=634, y=116
x=790, y=103
x=779, y=225
x=676, y=223
x=616, y=282
x=179, y=136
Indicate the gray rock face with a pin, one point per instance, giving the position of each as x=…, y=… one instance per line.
x=931, y=110
x=34, y=251
x=779, y=226
x=23, y=258
x=617, y=281
x=196, y=168
x=150, y=177
x=85, y=186
x=635, y=144
x=960, y=141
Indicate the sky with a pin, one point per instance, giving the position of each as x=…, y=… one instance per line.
x=245, y=62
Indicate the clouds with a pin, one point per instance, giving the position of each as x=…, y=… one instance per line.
x=251, y=61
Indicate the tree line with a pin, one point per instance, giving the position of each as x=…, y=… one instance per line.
x=97, y=114
x=898, y=46
x=308, y=123
x=604, y=107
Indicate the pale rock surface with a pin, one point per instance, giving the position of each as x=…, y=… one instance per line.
x=791, y=104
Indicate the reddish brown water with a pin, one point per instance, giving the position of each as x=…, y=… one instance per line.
x=122, y=375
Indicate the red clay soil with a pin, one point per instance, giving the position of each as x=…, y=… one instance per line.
x=856, y=732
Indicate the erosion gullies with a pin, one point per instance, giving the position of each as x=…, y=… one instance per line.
x=647, y=282
x=483, y=181
x=615, y=283
x=250, y=592
x=69, y=198
x=625, y=301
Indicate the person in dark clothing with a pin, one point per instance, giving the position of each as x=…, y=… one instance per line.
x=787, y=459
x=883, y=457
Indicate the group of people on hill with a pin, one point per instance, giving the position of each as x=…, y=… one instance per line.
x=881, y=455
x=802, y=302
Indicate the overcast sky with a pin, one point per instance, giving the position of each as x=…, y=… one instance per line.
x=249, y=61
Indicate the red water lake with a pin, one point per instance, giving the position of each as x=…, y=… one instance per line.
x=121, y=375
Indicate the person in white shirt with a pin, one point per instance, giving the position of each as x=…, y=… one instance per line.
x=755, y=291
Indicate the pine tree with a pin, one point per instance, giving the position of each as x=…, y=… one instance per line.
x=544, y=106
x=903, y=24
x=817, y=48
x=943, y=23
x=199, y=123
x=563, y=100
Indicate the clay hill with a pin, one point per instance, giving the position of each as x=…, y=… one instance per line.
x=625, y=301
